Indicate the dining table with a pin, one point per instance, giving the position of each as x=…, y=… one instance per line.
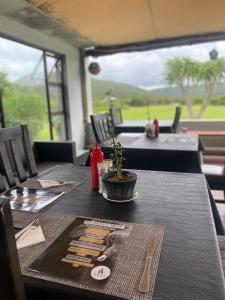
x=167, y=152
x=165, y=126
x=189, y=266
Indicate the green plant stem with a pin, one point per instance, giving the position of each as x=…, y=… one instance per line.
x=117, y=158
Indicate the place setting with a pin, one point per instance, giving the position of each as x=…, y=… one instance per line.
x=98, y=254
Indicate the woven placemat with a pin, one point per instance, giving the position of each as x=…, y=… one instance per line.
x=22, y=218
x=124, y=280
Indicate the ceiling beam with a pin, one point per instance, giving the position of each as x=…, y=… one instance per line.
x=155, y=44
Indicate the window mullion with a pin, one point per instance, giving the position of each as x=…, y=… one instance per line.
x=47, y=95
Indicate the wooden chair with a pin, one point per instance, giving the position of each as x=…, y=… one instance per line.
x=102, y=127
x=215, y=176
x=216, y=216
x=10, y=275
x=176, y=119
x=116, y=116
x=16, y=154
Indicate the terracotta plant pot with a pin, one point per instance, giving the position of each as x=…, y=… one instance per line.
x=120, y=190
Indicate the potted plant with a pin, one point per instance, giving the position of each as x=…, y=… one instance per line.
x=119, y=184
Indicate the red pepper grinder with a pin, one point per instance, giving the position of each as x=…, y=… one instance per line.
x=156, y=125
x=96, y=156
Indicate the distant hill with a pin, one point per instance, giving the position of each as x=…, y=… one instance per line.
x=28, y=81
x=119, y=90
x=125, y=91
x=29, y=85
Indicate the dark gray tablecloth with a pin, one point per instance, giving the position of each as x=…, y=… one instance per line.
x=169, y=152
x=190, y=266
x=170, y=142
x=139, y=126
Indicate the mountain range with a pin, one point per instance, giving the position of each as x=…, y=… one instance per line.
x=125, y=91
x=122, y=90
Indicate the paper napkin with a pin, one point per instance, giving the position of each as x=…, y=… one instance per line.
x=51, y=183
x=33, y=235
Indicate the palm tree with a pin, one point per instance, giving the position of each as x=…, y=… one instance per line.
x=188, y=73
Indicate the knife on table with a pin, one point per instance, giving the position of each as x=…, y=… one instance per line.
x=144, y=282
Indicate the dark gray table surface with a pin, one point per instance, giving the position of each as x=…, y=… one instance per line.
x=190, y=266
x=165, y=141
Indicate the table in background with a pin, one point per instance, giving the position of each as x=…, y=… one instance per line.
x=190, y=265
x=139, y=126
x=168, y=152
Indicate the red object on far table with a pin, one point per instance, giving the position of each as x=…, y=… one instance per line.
x=96, y=156
x=156, y=125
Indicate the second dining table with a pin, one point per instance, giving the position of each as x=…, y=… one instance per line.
x=140, y=126
x=189, y=266
x=168, y=152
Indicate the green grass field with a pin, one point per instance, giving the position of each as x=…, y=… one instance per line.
x=167, y=112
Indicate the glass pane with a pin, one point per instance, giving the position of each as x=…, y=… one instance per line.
x=58, y=126
x=54, y=68
x=22, y=80
x=56, y=100
x=152, y=83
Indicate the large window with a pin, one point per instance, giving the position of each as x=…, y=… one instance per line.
x=158, y=80
x=33, y=91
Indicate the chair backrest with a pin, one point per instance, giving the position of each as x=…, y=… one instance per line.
x=116, y=116
x=2, y=120
x=14, y=144
x=10, y=275
x=176, y=119
x=102, y=127
x=3, y=186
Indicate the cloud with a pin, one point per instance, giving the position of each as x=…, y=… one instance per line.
x=146, y=69
x=17, y=60
x=142, y=69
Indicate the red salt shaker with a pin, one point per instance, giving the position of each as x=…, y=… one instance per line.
x=156, y=125
x=96, y=156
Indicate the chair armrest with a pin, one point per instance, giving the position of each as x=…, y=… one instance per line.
x=63, y=151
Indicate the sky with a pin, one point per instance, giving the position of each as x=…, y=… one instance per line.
x=141, y=69
x=17, y=60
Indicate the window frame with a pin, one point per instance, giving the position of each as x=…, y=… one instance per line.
x=63, y=84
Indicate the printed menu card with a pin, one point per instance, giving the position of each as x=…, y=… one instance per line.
x=86, y=251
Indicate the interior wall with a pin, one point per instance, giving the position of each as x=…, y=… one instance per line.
x=21, y=32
